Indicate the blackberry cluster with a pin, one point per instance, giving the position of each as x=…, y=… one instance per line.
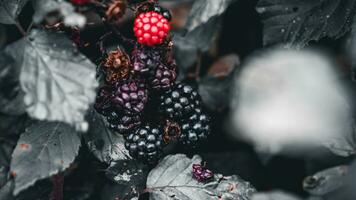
x=141, y=100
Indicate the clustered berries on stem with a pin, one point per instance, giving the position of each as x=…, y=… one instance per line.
x=141, y=99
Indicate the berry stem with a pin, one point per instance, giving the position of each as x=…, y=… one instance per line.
x=20, y=28
x=57, y=190
x=198, y=67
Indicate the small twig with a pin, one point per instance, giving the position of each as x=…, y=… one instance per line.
x=29, y=28
x=57, y=190
x=198, y=67
x=19, y=27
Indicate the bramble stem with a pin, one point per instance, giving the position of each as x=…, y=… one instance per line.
x=57, y=190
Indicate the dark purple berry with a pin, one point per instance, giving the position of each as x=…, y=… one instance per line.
x=145, y=144
x=130, y=94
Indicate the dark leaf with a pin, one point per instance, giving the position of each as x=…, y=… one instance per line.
x=106, y=146
x=326, y=181
x=202, y=27
x=345, y=144
x=296, y=22
x=11, y=95
x=3, y=36
x=199, y=40
x=121, y=192
x=224, y=66
x=64, y=9
x=59, y=82
x=6, y=191
x=128, y=172
x=215, y=87
x=10, y=9
x=48, y=147
x=215, y=92
x=172, y=178
x=203, y=10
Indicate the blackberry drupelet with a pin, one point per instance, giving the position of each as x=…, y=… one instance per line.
x=145, y=144
x=130, y=94
x=195, y=129
x=179, y=102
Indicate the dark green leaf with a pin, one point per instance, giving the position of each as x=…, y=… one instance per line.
x=10, y=9
x=59, y=82
x=296, y=22
x=45, y=149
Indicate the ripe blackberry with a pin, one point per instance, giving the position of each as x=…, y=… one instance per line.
x=130, y=94
x=122, y=121
x=145, y=144
x=195, y=129
x=179, y=102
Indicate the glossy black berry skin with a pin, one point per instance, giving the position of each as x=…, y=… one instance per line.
x=122, y=122
x=179, y=102
x=195, y=129
x=145, y=144
x=166, y=13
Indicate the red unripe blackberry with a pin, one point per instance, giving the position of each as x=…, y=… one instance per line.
x=151, y=28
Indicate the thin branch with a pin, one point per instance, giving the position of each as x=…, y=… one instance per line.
x=20, y=28
x=29, y=28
